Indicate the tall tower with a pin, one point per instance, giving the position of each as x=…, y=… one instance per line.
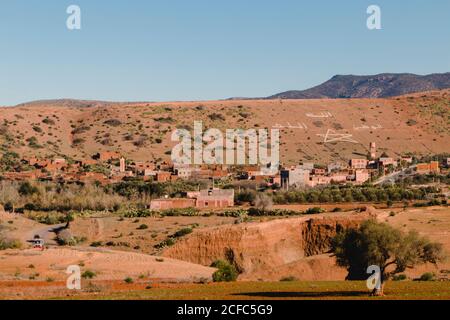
x=122, y=164
x=373, y=150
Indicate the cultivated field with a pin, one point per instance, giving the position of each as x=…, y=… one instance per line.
x=144, y=290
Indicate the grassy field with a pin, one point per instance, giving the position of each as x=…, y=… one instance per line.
x=293, y=290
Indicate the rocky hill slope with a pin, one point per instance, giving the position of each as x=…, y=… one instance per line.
x=320, y=130
x=375, y=86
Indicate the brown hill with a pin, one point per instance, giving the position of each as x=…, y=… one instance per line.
x=417, y=123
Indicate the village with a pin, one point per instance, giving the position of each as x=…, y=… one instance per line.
x=106, y=168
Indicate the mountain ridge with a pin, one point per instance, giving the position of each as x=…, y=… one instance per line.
x=383, y=85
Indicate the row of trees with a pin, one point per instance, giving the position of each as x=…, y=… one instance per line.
x=49, y=196
x=353, y=193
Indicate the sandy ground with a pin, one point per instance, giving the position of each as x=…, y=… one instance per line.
x=126, y=234
x=51, y=264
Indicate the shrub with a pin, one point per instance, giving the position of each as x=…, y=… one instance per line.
x=427, y=276
x=88, y=274
x=164, y=120
x=182, y=232
x=233, y=213
x=49, y=218
x=225, y=273
x=96, y=244
x=65, y=238
x=128, y=280
x=10, y=244
x=26, y=189
x=77, y=141
x=245, y=196
x=166, y=243
x=37, y=129
x=216, y=117
x=263, y=202
x=185, y=212
x=314, y=210
x=288, y=278
x=137, y=213
x=48, y=121
x=399, y=277
x=113, y=122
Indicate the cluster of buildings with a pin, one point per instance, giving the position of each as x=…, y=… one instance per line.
x=111, y=167
x=356, y=171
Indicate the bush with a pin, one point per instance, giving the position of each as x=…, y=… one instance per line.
x=186, y=212
x=137, y=213
x=245, y=196
x=113, y=122
x=166, y=243
x=49, y=218
x=233, y=213
x=65, y=238
x=10, y=244
x=272, y=213
x=226, y=272
x=314, y=210
x=88, y=274
x=427, y=276
x=289, y=278
x=216, y=117
x=128, y=280
x=182, y=232
x=399, y=277
x=26, y=189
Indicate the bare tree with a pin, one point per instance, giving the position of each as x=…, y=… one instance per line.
x=263, y=202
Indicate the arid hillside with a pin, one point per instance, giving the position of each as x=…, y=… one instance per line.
x=312, y=130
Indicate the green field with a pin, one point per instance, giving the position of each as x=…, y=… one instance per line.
x=399, y=290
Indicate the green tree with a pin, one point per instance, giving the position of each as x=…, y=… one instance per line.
x=226, y=272
x=27, y=189
x=379, y=244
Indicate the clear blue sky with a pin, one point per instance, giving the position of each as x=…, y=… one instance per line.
x=209, y=49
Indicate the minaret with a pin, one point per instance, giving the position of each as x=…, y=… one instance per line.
x=122, y=164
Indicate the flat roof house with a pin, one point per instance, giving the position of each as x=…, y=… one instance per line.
x=215, y=198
